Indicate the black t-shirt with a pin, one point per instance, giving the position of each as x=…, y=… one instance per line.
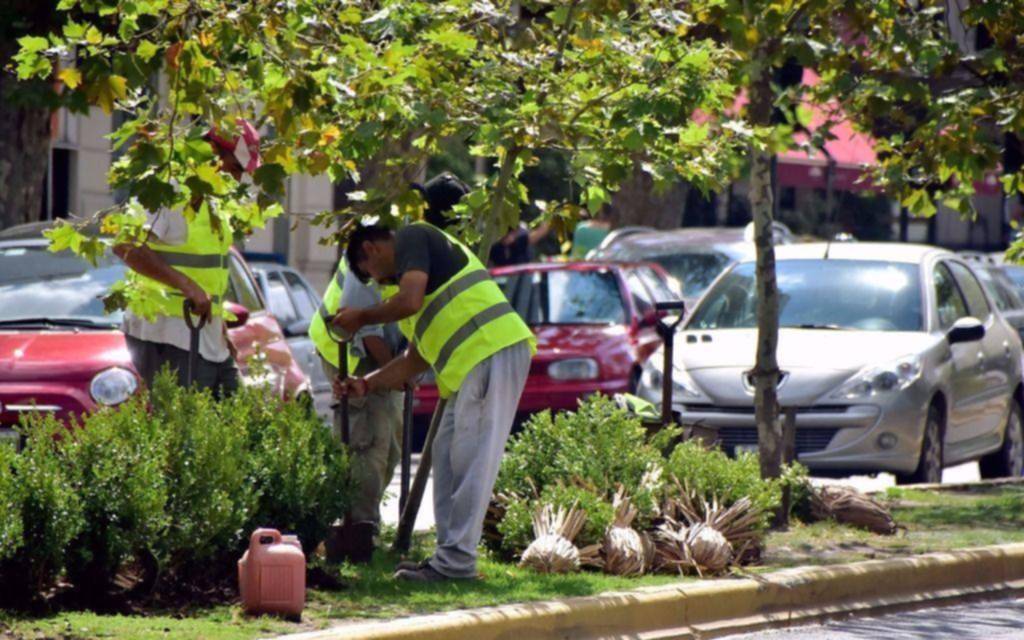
x=516, y=252
x=419, y=247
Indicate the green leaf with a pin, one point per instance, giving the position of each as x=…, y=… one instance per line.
x=146, y=50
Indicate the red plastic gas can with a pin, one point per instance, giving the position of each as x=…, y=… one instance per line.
x=272, y=574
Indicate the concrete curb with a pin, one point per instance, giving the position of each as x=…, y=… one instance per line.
x=715, y=607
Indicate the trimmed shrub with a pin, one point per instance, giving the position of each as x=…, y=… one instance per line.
x=598, y=447
x=116, y=458
x=516, y=527
x=11, y=538
x=47, y=509
x=299, y=470
x=210, y=493
x=713, y=474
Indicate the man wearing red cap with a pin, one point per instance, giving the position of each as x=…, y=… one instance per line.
x=185, y=258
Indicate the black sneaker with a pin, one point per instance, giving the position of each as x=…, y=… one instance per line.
x=410, y=565
x=425, y=573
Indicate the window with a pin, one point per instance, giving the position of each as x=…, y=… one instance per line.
x=659, y=287
x=948, y=300
x=278, y=299
x=565, y=296
x=306, y=302
x=819, y=294
x=642, y=298
x=694, y=269
x=242, y=287
x=1000, y=289
x=977, y=303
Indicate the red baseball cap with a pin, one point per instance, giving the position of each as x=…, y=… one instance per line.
x=245, y=147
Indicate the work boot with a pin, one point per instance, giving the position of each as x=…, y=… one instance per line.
x=425, y=573
x=352, y=542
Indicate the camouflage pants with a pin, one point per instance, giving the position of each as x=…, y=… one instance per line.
x=375, y=442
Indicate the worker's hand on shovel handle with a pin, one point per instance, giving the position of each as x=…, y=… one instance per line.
x=200, y=300
x=348, y=320
x=352, y=387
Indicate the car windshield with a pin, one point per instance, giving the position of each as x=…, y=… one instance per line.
x=38, y=285
x=565, y=296
x=820, y=294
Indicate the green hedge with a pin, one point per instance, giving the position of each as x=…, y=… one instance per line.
x=580, y=457
x=173, y=477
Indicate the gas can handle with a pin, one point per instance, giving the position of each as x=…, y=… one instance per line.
x=259, y=536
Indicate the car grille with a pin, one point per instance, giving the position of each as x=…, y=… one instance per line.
x=749, y=410
x=807, y=440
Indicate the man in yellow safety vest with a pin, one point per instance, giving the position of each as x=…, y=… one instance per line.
x=458, y=323
x=186, y=258
x=375, y=421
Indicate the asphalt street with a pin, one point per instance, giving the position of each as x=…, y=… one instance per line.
x=996, y=620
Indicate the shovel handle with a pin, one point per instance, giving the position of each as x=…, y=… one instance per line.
x=187, y=308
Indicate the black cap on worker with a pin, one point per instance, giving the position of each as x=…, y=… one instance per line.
x=442, y=192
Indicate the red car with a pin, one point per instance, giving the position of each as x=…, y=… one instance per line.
x=595, y=326
x=60, y=353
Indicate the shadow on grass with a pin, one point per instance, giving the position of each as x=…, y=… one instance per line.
x=1001, y=512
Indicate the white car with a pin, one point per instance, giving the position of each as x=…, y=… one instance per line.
x=893, y=357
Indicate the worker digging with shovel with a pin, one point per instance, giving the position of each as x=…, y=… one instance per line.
x=458, y=323
x=186, y=258
x=374, y=422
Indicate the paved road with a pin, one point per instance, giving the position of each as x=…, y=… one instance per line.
x=389, y=510
x=997, y=620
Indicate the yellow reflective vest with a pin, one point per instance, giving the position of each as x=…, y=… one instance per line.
x=322, y=340
x=203, y=257
x=463, y=322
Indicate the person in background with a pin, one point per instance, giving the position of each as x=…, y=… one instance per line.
x=516, y=246
x=589, y=233
x=186, y=258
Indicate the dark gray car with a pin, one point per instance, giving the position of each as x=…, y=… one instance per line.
x=293, y=301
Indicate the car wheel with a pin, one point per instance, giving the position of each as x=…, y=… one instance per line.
x=929, y=464
x=1008, y=462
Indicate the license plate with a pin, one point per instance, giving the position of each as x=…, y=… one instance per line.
x=745, y=448
x=10, y=438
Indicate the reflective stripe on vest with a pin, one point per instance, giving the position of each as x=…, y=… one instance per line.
x=203, y=257
x=465, y=321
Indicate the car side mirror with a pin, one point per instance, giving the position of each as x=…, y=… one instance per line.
x=297, y=328
x=966, y=330
x=241, y=314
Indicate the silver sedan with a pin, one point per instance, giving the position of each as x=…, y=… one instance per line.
x=893, y=356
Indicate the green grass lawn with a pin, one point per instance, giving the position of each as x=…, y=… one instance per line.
x=936, y=521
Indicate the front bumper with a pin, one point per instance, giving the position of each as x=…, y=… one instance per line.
x=835, y=438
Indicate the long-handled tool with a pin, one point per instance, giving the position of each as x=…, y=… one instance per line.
x=407, y=406
x=403, y=539
x=667, y=331
x=339, y=544
x=193, y=344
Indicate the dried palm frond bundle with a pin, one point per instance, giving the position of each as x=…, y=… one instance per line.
x=623, y=550
x=495, y=514
x=696, y=548
x=552, y=550
x=740, y=523
x=848, y=506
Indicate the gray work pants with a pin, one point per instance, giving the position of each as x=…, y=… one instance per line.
x=221, y=378
x=467, y=452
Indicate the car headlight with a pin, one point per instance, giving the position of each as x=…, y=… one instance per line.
x=113, y=386
x=873, y=381
x=574, y=369
x=683, y=386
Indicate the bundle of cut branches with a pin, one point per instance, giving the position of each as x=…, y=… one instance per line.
x=624, y=550
x=846, y=505
x=696, y=548
x=738, y=523
x=552, y=550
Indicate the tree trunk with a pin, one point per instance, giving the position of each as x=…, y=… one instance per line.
x=636, y=203
x=24, y=151
x=765, y=375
